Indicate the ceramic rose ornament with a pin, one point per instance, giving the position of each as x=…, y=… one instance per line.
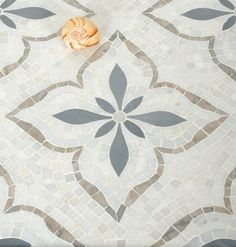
x=80, y=32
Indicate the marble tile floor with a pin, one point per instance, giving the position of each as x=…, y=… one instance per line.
x=129, y=143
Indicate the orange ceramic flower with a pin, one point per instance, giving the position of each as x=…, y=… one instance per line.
x=80, y=32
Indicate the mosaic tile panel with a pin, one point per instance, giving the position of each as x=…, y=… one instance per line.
x=130, y=142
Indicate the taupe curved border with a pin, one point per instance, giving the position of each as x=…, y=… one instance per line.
x=29, y=128
x=171, y=28
x=78, y=5
x=98, y=196
x=53, y=226
x=11, y=188
x=206, y=130
x=181, y=224
x=136, y=192
x=91, y=189
x=11, y=67
x=45, y=38
x=227, y=69
x=130, y=46
x=5, y=71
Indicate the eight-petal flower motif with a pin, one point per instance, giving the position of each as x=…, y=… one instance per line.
x=208, y=14
x=29, y=13
x=119, y=153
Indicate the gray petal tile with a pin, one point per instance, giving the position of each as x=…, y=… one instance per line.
x=106, y=128
x=79, y=116
x=229, y=23
x=204, y=14
x=119, y=153
x=227, y=4
x=9, y=242
x=221, y=243
x=7, y=21
x=118, y=85
x=106, y=106
x=159, y=118
x=7, y=3
x=133, y=104
x=134, y=129
x=31, y=13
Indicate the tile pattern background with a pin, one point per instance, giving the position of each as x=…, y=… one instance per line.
x=128, y=143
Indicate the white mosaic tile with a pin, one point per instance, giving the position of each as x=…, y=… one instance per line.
x=166, y=177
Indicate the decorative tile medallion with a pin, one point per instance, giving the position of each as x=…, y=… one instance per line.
x=127, y=143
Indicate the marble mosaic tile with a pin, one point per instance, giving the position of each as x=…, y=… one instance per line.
x=127, y=143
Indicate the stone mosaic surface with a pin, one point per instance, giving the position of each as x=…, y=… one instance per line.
x=127, y=143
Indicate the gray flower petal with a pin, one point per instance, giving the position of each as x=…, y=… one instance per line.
x=221, y=243
x=106, y=128
x=7, y=21
x=118, y=85
x=229, y=23
x=119, y=153
x=7, y=3
x=133, y=104
x=9, y=242
x=159, y=118
x=227, y=4
x=31, y=13
x=204, y=14
x=106, y=106
x=79, y=116
x=134, y=129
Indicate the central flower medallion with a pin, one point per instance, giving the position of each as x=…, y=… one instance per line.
x=120, y=116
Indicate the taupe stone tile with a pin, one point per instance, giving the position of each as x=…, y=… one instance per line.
x=228, y=204
x=199, y=136
x=77, y=244
x=90, y=188
x=193, y=98
x=131, y=198
x=8, y=204
x=78, y=176
x=111, y=212
x=52, y=224
x=65, y=235
x=197, y=212
x=36, y=134
x=183, y=223
x=40, y=213
x=208, y=209
x=221, y=210
x=159, y=243
x=170, y=234
x=121, y=212
x=13, y=209
x=209, y=128
x=100, y=198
